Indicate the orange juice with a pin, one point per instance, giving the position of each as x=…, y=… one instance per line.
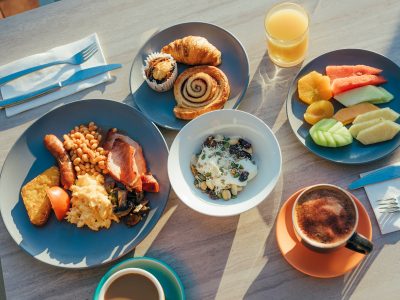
x=286, y=26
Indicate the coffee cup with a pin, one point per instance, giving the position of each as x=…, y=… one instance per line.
x=325, y=218
x=132, y=283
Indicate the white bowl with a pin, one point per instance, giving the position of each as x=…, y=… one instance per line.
x=266, y=153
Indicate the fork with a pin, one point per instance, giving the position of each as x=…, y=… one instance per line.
x=76, y=59
x=388, y=205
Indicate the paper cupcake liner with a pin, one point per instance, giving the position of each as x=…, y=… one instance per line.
x=169, y=83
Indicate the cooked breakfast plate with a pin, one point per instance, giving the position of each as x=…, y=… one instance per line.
x=186, y=70
x=111, y=165
x=354, y=76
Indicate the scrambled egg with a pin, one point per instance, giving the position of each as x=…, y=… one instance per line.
x=90, y=205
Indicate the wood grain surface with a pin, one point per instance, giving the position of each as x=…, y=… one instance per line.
x=217, y=258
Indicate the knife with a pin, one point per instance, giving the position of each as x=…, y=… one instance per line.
x=74, y=78
x=384, y=174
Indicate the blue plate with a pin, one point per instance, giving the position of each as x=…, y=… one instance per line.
x=355, y=153
x=61, y=243
x=169, y=280
x=158, y=107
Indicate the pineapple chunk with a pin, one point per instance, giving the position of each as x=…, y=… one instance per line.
x=383, y=131
x=385, y=113
x=356, y=128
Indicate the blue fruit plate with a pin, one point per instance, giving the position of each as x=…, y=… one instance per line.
x=355, y=153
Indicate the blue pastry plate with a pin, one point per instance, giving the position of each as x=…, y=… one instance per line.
x=158, y=106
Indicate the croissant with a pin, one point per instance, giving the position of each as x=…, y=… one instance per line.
x=199, y=90
x=193, y=50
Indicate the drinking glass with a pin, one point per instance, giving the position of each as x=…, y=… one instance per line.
x=287, y=27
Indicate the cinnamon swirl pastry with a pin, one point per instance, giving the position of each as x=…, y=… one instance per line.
x=199, y=90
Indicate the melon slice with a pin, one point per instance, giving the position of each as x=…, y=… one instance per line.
x=348, y=114
x=340, y=85
x=356, y=128
x=387, y=96
x=385, y=113
x=330, y=133
x=345, y=71
x=355, y=96
x=383, y=131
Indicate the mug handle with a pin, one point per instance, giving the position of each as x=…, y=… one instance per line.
x=359, y=243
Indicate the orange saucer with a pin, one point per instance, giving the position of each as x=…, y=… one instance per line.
x=322, y=265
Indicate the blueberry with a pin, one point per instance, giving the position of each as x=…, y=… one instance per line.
x=210, y=142
x=234, y=149
x=245, y=144
x=243, y=176
x=244, y=154
x=212, y=195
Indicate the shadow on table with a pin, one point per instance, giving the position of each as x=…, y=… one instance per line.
x=32, y=114
x=277, y=279
x=267, y=92
x=212, y=265
x=195, y=246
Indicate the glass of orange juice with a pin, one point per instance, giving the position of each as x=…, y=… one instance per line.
x=286, y=27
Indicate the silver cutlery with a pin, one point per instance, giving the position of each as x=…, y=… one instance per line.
x=76, y=77
x=76, y=59
x=388, y=205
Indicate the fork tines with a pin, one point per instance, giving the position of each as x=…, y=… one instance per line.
x=388, y=205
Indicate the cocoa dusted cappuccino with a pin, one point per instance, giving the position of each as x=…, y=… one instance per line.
x=326, y=216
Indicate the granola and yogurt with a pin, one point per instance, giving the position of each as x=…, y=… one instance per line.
x=224, y=166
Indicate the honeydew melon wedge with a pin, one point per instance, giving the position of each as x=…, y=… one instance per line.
x=368, y=93
x=387, y=96
x=385, y=113
x=340, y=139
x=330, y=133
x=383, y=131
x=356, y=128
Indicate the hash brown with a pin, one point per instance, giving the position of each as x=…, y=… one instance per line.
x=34, y=195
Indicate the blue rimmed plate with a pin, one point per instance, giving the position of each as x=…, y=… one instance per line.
x=355, y=153
x=158, y=107
x=169, y=280
x=60, y=243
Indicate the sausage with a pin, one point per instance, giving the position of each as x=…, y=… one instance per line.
x=56, y=148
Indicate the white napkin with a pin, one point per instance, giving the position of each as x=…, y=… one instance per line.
x=51, y=75
x=388, y=222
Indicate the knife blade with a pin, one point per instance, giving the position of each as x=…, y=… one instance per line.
x=74, y=78
x=380, y=175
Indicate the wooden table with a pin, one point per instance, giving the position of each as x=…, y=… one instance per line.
x=224, y=258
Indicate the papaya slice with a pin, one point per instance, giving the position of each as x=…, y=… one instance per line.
x=348, y=114
x=340, y=85
x=345, y=71
x=314, y=87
